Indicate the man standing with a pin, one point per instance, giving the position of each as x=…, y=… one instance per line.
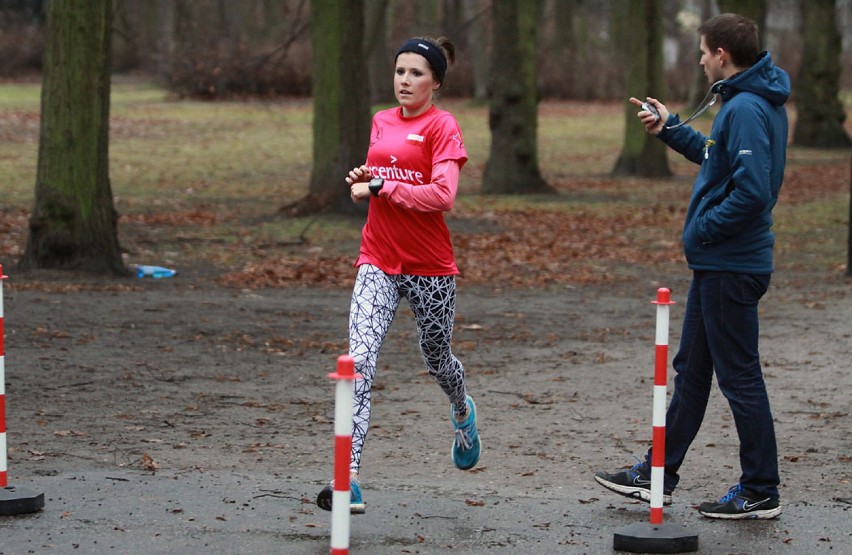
x=728, y=245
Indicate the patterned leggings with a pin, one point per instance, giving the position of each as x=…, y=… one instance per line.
x=375, y=298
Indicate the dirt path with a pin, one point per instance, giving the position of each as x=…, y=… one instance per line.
x=178, y=376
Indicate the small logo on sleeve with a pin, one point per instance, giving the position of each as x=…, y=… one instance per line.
x=707, y=144
x=458, y=139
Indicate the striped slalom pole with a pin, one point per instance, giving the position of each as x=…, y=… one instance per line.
x=341, y=495
x=13, y=500
x=655, y=536
x=661, y=363
x=3, y=469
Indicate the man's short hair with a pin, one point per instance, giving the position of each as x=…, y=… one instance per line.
x=735, y=34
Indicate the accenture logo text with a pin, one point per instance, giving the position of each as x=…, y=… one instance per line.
x=394, y=173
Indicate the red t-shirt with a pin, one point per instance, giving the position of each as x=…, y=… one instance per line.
x=403, y=151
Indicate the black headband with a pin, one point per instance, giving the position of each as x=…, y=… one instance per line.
x=431, y=52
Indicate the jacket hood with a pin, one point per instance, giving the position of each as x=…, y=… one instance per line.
x=764, y=79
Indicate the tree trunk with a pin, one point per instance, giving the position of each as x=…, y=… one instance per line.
x=341, y=129
x=512, y=166
x=643, y=155
x=820, y=114
x=73, y=225
x=379, y=15
x=427, y=18
x=753, y=9
x=164, y=50
x=452, y=24
x=849, y=236
x=565, y=36
x=474, y=16
x=699, y=86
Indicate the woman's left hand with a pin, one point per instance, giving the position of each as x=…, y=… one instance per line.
x=359, y=174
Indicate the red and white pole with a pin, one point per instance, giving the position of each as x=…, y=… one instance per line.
x=654, y=536
x=661, y=363
x=13, y=500
x=3, y=469
x=341, y=496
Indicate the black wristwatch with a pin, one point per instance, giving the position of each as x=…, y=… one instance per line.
x=376, y=185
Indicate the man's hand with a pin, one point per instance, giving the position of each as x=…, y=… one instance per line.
x=653, y=125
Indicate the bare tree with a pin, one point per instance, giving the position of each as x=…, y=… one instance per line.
x=849, y=237
x=165, y=46
x=474, y=16
x=755, y=10
x=341, y=104
x=642, y=154
x=379, y=16
x=698, y=86
x=427, y=17
x=512, y=166
x=820, y=114
x=73, y=225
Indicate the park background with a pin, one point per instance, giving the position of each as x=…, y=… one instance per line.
x=192, y=414
x=212, y=126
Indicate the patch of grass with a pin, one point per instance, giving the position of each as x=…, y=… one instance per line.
x=20, y=96
x=243, y=156
x=177, y=154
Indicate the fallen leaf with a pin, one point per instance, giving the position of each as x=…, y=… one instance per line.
x=148, y=463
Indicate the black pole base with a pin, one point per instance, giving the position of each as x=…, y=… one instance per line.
x=643, y=537
x=18, y=500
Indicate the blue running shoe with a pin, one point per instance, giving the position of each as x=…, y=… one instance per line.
x=466, y=445
x=737, y=504
x=634, y=482
x=356, y=503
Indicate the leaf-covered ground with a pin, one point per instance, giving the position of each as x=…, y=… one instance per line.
x=559, y=241
x=594, y=231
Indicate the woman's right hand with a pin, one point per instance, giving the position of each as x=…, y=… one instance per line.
x=357, y=179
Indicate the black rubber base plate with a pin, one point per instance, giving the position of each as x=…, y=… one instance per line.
x=644, y=537
x=18, y=500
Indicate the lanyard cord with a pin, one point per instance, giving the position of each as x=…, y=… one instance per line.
x=702, y=107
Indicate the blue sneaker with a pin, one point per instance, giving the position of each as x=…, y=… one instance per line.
x=738, y=504
x=466, y=445
x=356, y=503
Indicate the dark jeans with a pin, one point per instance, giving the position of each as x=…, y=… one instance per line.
x=720, y=331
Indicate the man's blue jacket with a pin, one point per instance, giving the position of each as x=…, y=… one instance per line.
x=728, y=221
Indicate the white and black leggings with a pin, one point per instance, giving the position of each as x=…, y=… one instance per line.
x=375, y=299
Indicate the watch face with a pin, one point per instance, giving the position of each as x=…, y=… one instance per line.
x=376, y=185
